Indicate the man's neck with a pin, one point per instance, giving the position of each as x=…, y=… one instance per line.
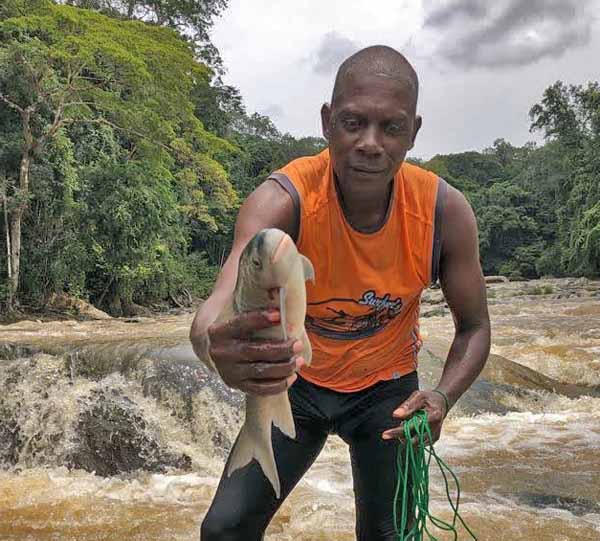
x=366, y=206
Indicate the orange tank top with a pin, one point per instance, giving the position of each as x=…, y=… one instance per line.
x=363, y=309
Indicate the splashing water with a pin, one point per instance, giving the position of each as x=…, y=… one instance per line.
x=96, y=396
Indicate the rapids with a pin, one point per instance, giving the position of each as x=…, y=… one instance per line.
x=126, y=399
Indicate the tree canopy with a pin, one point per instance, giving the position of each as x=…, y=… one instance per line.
x=117, y=95
x=538, y=207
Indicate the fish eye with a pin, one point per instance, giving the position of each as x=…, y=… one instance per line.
x=256, y=263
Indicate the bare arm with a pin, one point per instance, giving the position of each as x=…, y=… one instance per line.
x=240, y=363
x=464, y=288
x=463, y=284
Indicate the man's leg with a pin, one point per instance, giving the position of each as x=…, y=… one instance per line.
x=374, y=459
x=245, y=502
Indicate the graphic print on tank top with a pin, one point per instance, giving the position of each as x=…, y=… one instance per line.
x=352, y=319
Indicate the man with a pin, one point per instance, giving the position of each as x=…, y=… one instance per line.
x=378, y=231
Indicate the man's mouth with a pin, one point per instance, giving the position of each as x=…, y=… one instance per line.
x=368, y=170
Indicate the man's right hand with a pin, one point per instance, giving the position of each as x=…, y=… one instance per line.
x=255, y=367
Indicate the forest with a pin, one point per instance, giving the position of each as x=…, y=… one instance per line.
x=124, y=158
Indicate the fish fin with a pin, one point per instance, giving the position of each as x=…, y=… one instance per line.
x=242, y=453
x=307, y=349
x=282, y=313
x=266, y=459
x=246, y=448
x=307, y=267
x=281, y=411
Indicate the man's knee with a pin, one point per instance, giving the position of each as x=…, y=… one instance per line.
x=217, y=527
x=226, y=525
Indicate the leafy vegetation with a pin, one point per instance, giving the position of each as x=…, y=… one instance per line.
x=538, y=208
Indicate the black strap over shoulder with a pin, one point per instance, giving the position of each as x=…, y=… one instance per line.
x=289, y=187
x=437, y=230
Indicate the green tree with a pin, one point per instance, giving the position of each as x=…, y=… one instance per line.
x=191, y=18
x=569, y=116
x=504, y=215
x=60, y=66
x=133, y=226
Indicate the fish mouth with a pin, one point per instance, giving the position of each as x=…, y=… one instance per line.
x=273, y=293
x=282, y=248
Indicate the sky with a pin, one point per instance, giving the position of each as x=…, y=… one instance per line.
x=481, y=64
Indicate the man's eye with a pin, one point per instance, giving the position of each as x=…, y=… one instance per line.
x=395, y=129
x=351, y=124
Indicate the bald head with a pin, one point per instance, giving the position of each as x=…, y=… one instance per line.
x=378, y=60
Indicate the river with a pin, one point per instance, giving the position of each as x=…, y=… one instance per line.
x=524, y=442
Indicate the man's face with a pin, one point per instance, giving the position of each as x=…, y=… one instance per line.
x=370, y=128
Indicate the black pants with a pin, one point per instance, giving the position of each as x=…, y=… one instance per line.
x=245, y=502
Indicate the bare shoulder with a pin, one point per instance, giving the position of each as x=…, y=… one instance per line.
x=461, y=276
x=457, y=208
x=269, y=205
x=459, y=230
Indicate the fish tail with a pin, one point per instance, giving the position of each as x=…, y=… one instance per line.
x=255, y=445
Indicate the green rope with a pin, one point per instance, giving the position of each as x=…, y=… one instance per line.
x=413, y=476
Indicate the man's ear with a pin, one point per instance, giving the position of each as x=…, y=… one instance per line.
x=418, y=123
x=325, y=120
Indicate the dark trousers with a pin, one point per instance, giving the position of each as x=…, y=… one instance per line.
x=245, y=502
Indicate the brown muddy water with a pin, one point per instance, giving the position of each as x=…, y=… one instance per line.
x=100, y=396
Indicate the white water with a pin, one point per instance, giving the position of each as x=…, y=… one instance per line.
x=531, y=474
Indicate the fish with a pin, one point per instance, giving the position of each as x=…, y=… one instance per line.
x=271, y=274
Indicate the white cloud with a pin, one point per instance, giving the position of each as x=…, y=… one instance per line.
x=272, y=50
x=332, y=51
x=508, y=33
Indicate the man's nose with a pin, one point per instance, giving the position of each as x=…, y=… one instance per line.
x=369, y=142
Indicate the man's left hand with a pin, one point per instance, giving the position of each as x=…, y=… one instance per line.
x=433, y=404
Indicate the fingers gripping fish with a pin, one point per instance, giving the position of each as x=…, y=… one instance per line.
x=272, y=273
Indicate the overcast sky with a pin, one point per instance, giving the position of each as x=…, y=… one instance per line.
x=482, y=64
